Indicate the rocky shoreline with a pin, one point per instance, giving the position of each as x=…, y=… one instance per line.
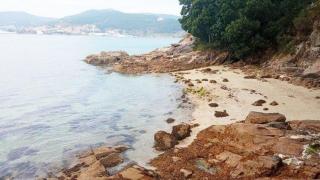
x=222, y=141
x=250, y=121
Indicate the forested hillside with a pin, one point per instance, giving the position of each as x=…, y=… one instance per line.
x=245, y=27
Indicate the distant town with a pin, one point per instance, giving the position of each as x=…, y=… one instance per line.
x=87, y=29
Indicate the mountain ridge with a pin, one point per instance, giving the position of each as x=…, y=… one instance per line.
x=104, y=20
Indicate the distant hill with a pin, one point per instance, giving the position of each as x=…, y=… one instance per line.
x=22, y=19
x=131, y=23
x=111, y=19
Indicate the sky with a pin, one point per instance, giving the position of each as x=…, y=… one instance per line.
x=60, y=8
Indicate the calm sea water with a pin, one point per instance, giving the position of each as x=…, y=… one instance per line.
x=52, y=104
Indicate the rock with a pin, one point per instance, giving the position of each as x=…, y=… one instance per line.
x=250, y=77
x=186, y=173
x=220, y=114
x=102, y=152
x=259, y=102
x=121, y=149
x=229, y=158
x=106, y=58
x=279, y=125
x=206, y=70
x=213, y=105
x=274, y=103
x=111, y=160
x=225, y=80
x=190, y=84
x=263, y=118
x=175, y=159
x=266, y=109
x=305, y=126
x=262, y=166
x=317, y=97
x=266, y=76
x=181, y=131
x=204, y=79
x=213, y=81
x=170, y=120
x=164, y=141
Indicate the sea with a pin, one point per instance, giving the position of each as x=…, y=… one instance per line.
x=53, y=105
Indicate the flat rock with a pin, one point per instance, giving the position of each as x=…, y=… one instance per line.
x=263, y=118
x=111, y=160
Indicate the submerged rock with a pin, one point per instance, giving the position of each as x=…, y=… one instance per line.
x=170, y=120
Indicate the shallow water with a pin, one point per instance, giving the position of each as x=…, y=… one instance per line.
x=52, y=104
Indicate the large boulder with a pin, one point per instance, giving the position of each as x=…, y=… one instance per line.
x=264, y=118
x=181, y=131
x=164, y=141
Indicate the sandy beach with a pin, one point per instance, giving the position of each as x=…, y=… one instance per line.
x=238, y=94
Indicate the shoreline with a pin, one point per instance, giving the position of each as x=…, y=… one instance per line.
x=238, y=105
x=223, y=97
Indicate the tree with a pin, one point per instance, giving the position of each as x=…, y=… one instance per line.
x=240, y=26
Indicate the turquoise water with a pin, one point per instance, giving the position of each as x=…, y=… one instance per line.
x=52, y=104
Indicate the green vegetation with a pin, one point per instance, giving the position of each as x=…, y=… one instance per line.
x=201, y=92
x=313, y=148
x=243, y=27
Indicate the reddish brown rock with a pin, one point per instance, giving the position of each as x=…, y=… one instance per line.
x=164, y=141
x=245, y=151
x=264, y=118
x=111, y=160
x=181, y=131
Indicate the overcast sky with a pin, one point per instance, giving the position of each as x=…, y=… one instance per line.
x=60, y=8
